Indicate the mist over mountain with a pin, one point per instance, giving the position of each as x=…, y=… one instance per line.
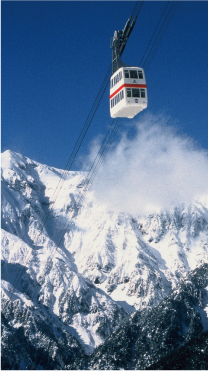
x=75, y=279
x=156, y=169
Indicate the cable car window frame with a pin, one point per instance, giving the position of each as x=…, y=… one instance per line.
x=140, y=74
x=135, y=93
x=128, y=90
x=126, y=74
x=142, y=91
x=133, y=72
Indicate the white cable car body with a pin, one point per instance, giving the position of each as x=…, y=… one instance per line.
x=128, y=89
x=128, y=92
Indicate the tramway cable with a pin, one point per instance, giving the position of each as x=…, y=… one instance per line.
x=98, y=161
x=162, y=34
x=104, y=148
x=73, y=155
x=162, y=28
x=92, y=113
x=137, y=9
x=61, y=181
x=156, y=41
x=101, y=154
x=78, y=143
x=95, y=167
x=82, y=134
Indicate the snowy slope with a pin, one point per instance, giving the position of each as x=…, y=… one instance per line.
x=137, y=261
x=89, y=267
x=41, y=273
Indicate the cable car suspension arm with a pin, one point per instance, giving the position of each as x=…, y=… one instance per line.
x=119, y=42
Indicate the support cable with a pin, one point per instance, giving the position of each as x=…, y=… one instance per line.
x=99, y=159
x=148, y=46
x=158, y=35
x=71, y=159
x=105, y=147
x=173, y=10
x=113, y=129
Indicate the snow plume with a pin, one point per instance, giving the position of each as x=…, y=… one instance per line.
x=155, y=170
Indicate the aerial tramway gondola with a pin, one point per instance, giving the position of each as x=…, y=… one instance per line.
x=128, y=89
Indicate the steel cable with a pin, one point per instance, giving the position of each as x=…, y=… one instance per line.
x=103, y=150
x=102, y=153
x=158, y=34
x=70, y=161
x=173, y=10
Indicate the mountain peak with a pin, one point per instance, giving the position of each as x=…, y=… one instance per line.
x=11, y=159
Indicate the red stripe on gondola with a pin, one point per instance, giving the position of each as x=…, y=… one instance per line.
x=128, y=86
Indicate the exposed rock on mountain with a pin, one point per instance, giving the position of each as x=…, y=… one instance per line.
x=151, y=334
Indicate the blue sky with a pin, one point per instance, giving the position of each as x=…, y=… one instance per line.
x=55, y=56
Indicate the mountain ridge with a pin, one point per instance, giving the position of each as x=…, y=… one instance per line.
x=87, y=269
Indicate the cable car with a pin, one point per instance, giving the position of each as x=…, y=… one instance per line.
x=128, y=89
x=128, y=92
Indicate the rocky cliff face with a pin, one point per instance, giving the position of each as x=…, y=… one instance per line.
x=83, y=270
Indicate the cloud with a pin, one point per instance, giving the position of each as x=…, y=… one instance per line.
x=154, y=170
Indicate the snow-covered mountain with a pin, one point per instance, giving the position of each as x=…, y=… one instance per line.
x=148, y=336
x=81, y=271
x=36, y=270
